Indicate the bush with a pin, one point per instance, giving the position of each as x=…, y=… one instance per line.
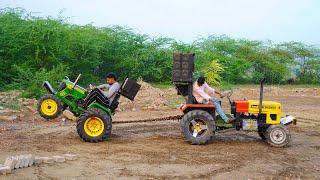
x=31, y=81
x=34, y=49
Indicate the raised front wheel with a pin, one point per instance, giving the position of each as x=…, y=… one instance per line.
x=49, y=106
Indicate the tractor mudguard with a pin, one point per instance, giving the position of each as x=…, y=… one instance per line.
x=185, y=108
x=48, y=87
x=99, y=106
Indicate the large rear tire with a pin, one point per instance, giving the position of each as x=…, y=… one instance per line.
x=278, y=135
x=198, y=127
x=94, y=126
x=49, y=106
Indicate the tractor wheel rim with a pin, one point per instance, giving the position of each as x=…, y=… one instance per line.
x=197, y=128
x=93, y=126
x=278, y=136
x=49, y=107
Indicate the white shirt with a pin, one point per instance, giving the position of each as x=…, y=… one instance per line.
x=110, y=90
x=200, y=92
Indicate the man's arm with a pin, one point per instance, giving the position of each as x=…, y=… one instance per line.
x=209, y=89
x=212, y=91
x=220, y=94
x=103, y=86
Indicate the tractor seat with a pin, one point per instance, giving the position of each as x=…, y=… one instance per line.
x=196, y=105
x=115, y=103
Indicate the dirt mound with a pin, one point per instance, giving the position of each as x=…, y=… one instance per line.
x=148, y=98
x=11, y=100
x=9, y=96
x=12, y=107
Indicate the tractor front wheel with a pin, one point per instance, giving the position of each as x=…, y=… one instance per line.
x=278, y=135
x=198, y=127
x=49, y=106
x=94, y=126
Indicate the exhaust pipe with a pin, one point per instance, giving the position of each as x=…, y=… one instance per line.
x=261, y=97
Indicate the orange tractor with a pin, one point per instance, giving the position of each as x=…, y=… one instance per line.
x=200, y=123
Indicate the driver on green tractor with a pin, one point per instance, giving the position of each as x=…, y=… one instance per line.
x=104, y=93
x=200, y=90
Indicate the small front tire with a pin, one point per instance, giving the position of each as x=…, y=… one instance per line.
x=49, y=106
x=278, y=135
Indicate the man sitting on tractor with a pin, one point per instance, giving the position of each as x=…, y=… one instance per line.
x=200, y=87
x=103, y=93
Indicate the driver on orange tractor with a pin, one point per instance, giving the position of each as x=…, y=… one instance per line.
x=201, y=91
x=103, y=93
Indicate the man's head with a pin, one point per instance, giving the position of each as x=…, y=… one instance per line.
x=201, y=80
x=111, y=78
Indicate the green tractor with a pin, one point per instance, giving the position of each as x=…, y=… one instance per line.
x=95, y=122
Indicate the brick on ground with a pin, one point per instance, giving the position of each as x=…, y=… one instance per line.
x=70, y=157
x=47, y=160
x=31, y=159
x=23, y=161
x=10, y=162
x=59, y=158
x=26, y=161
x=69, y=115
x=19, y=161
x=38, y=160
x=4, y=169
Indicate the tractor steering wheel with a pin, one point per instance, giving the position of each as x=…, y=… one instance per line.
x=228, y=95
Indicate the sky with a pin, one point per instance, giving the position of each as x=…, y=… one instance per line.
x=187, y=20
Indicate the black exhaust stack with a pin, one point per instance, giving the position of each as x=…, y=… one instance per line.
x=261, y=97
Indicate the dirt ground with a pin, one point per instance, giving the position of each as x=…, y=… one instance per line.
x=156, y=150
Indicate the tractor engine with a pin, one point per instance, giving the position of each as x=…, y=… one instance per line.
x=246, y=113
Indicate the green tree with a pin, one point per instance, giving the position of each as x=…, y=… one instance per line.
x=213, y=72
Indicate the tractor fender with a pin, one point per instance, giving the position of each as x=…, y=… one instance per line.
x=189, y=107
x=101, y=107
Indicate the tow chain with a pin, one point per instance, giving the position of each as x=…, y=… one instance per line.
x=169, y=118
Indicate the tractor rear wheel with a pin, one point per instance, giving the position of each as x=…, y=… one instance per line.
x=94, y=125
x=49, y=106
x=197, y=127
x=278, y=135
